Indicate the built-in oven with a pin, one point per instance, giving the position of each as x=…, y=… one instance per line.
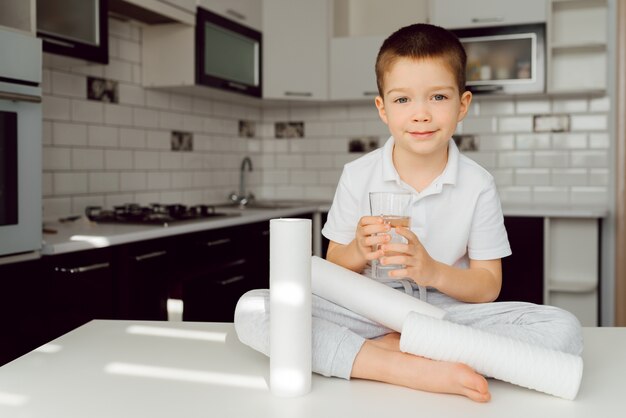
x=505, y=59
x=20, y=143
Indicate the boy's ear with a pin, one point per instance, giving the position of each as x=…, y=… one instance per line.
x=466, y=99
x=380, y=105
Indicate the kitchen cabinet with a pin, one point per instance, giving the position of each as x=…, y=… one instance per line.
x=75, y=28
x=577, y=38
x=144, y=275
x=356, y=18
x=245, y=12
x=455, y=14
x=352, y=60
x=78, y=287
x=156, y=11
x=21, y=285
x=296, y=35
x=19, y=14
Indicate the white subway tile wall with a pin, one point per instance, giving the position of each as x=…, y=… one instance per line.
x=109, y=154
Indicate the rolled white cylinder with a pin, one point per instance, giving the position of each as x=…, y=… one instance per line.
x=290, y=307
x=503, y=358
x=365, y=296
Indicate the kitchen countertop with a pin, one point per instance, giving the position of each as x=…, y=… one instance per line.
x=193, y=369
x=83, y=234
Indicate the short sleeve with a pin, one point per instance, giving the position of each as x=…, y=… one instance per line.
x=488, y=239
x=343, y=216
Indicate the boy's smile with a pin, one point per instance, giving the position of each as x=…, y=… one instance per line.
x=422, y=106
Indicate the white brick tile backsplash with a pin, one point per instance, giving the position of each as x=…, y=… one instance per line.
x=72, y=85
x=55, y=108
x=299, y=113
x=146, y=198
x=551, y=159
x=129, y=51
x=54, y=208
x=532, y=177
x=87, y=111
x=318, y=161
x=182, y=180
x=532, y=141
x=330, y=177
x=550, y=195
x=589, y=159
x=599, y=140
x=273, y=114
x=80, y=203
x=334, y=113
x=132, y=138
x=588, y=195
x=599, y=177
x=47, y=189
x=119, y=29
x=145, y=160
x=496, y=107
x=333, y=145
x=289, y=192
x=158, y=140
x=118, y=199
x=201, y=106
x=569, y=140
x=339, y=160
x=46, y=133
x=118, y=115
x=348, y=128
x=119, y=70
x=181, y=103
x=159, y=180
x=193, y=123
x=254, y=146
x=101, y=182
x=170, y=161
x=303, y=177
x=318, y=129
x=289, y=161
x=319, y=192
x=376, y=127
x=515, y=159
x=103, y=136
x=515, y=194
x=146, y=118
x=569, y=105
x=532, y=106
x=46, y=82
x=485, y=159
x=600, y=104
x=496, y=142
x=366, y=112
x=502, y=176
x=171, y=197
x=133, y=180
x=479, y=125
x=137, y=75
x=157, y=99
x=589, y=122
x=132, y=94
x=569, y=177
x=116, y=159
x=87, y=159
x=515, y=124
x=69, y=183
x=276, y=146
x=305, y=146
x=69, y=134
x=171, y=121
x=227, y=110
x=56, y=158
x=275, y=177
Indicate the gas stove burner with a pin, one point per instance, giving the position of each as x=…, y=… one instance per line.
x=155, y=213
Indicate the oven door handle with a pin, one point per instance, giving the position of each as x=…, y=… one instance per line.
x=18, y=97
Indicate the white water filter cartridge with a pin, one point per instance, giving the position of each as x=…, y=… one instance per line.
x=290, y=307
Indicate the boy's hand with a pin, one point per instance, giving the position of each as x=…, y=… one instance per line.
x=370, y=235
x=419, y=265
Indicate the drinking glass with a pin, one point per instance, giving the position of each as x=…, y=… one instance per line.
x=395, y=209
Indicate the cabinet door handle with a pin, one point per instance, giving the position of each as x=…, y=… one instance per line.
x=82, y=269
x=299, y=93
x=235, y=14
x=491, y=19
x=231, y=280
x=217, y=242
x=370, y=93
x=150, y=255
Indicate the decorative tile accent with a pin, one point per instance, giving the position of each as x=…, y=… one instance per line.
x=181, y=141
x=289, y=130
x=551, y=123
x=363, y=144
x=247, y=129
x=102, y=90
x=466, y=142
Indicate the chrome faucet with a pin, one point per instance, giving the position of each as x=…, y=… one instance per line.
x=242, y=197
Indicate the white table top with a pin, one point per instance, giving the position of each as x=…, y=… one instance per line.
x=126, y=369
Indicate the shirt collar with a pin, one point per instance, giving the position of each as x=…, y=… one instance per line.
x=448, y=176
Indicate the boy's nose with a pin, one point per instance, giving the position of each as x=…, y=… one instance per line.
x=421, y=114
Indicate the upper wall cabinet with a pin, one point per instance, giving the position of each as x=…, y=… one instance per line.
x=296, y=34
x=18, y=14
x=455, y=14
x=156, y=11
x=360, y=27
x=76, y=28
x=244, y=12
x=577, y=39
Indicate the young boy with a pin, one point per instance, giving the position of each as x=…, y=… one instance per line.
x=455, y=243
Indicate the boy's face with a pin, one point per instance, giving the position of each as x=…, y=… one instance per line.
x=421, y=105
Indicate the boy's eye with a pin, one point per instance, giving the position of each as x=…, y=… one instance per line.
x=439, y=97
x=401, y=100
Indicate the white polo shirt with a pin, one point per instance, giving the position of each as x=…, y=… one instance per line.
x=457, y=217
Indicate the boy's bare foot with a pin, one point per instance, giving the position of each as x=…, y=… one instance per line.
x=377, y=360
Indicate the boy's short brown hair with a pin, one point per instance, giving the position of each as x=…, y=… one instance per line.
x=421, y=41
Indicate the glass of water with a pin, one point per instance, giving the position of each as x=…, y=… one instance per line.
x=395, y=209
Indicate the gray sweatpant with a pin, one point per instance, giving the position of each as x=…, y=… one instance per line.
x=339, y=333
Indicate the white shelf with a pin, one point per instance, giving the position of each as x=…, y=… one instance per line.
x=572, y=287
